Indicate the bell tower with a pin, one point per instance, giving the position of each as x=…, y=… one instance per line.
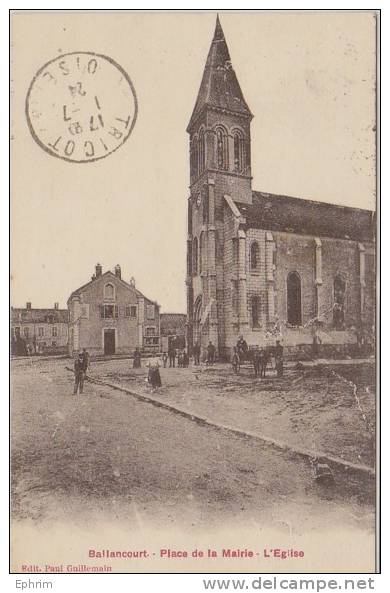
x=220, y=165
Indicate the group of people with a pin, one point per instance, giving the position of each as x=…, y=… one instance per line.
x=260, y=358
x=81, y=365
x=183, y=360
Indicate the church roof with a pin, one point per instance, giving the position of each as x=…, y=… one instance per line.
x=307, y=217
x=219, y=87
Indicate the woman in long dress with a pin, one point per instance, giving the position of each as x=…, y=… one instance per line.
x=137, y=359
x=154, y=377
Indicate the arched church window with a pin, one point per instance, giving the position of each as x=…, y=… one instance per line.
x=239, y=151
x=195, y=156
x=294, y=304
x=222, y=148
x=255, y=256
x=205, y=202
x=195, y=256
x=109, y=292
x=339, y=288
x=201, y=151
x=255, y=311
x=235, y=297
x=202, y=252
x=197, y=319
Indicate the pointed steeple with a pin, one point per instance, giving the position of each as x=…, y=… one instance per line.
x=218, y=33
x=219, y=87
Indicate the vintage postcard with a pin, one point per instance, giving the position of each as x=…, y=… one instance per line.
x=193, y=322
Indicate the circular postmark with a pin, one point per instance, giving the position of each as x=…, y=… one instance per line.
x=81, y=107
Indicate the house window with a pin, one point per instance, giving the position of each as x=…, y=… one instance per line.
x=109, y=292
x=294, y=305
x=17, y=333
x=255, y=311
x=50, y=319
x=133, y=311
x=54, y=331
x=239, y=152
x=255, y=256
x=85, y=311
x=150, y=312
x=54, y=343
x=222, y=148
x=130, y=311
x=339, y=287
x=150, y=331
x=109, y=311
x=26, y=332
x=151, y=341
x=40, y=332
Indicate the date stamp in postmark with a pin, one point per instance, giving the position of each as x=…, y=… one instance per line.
x=81, y=107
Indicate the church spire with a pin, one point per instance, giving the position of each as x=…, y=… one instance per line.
x=218, y=33
x=219, y=87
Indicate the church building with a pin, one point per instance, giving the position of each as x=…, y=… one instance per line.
x=261, y=265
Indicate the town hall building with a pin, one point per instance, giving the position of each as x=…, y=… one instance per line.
x=261, y=265
x=108, y=316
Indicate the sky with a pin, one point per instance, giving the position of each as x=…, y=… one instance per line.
x=308, y=78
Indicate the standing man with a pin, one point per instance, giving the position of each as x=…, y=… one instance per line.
x=242, y=348
x=171, y=354
x=186, y=359
x=210, y=353
x=29, y=352
x=196, y=351
x=316, y=341
x=257, y=360
x=264, y=361
x=78, y=374
x=279, y=358
x=85, y=355
x=165, y=359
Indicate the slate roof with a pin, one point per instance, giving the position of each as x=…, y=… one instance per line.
x=307, y=217
x=21, y=315
x=172, y=324
x=219, y=87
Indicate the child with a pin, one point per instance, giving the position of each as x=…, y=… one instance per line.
x=165, y=359
x=154, y=377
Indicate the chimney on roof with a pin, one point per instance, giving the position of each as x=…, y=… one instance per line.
x=28, y=306
x=56, y=306
x=118, y=271
x=93, y=277
x=132, y=282
x=98, y=270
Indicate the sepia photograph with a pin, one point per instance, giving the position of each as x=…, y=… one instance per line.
x=193, y=324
